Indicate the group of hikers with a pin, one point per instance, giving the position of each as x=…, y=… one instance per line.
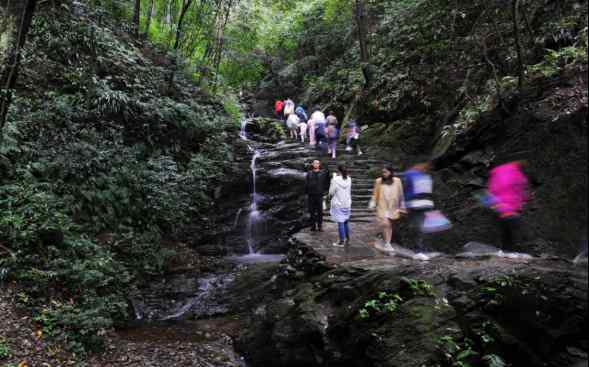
x=320, y=131
x=394, y=198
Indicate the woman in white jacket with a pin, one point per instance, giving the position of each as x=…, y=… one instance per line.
x=340, y=192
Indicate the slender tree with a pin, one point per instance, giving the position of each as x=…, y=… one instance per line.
x=136, y=17
x=149, y=16
x=15, y=20
x=362, y=25
x=518, y=44
x=185, y=7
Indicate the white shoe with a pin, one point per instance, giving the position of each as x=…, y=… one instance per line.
x=339, y=244
x=360, y=153
x=386, y=247
x=349, y=149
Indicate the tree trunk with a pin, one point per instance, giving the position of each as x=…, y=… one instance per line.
x=185, y=6
x=518, y=44
x=136, y=17
x=15, y=20
x=363, y=40
x=149, y=16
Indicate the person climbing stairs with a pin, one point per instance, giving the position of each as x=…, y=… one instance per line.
x=360, y=169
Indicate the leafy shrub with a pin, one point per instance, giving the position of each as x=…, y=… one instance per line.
x=86, y=283
x=4, y=349
x=385, y=303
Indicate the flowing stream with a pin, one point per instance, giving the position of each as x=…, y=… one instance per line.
x=254, y=217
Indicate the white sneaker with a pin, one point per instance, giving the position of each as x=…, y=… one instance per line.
x=388, y=248
x=360, y=153
x=339, y=244
x=349, y=149
x=384, y=247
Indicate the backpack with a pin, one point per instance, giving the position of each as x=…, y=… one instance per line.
x=332, y=132
x=301, y=113
x=320, y=130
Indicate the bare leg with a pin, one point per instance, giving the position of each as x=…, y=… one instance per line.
x=387, y=230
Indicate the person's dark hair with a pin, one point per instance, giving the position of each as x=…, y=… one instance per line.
x=389, y=180
x=344, y=171
x=332, y=113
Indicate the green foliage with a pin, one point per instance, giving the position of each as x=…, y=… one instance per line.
x=421, y=288
x=493, y=360
x=4, y=349
x=557, y=60
x=457, y=353
x=385, y=304
x=94, y=150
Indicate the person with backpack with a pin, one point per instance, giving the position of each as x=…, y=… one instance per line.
x=340, y=192
x=300, y=111
x=320, y=128
x=292, y=123
x=389, y=201
x=418, y=186
x=332, y=135
x=508, y=189
x=316, y=186
x=278, y=107
x=289, y=108
x=353, y=137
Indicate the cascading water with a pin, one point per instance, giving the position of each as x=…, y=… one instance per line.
x=255, y=222
x=242, y=131
x=254, y=216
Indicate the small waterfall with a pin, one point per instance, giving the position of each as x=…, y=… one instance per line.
x=254, y=216
x=237, y=218
x=242, y=131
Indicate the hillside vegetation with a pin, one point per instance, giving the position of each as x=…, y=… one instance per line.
x=103, y=158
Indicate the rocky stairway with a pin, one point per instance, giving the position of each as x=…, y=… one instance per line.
x=361, y=169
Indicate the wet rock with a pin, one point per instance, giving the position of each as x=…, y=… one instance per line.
x=211, y=250
x=524, y=312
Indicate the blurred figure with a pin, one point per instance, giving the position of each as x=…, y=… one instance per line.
x=340, y=192
x=389, y=202
x=320, y=128
x=418, y=189
x=303, y=128
x=292, y=123
x=300, y=111
x=353, y=137
x=311, y=132
x=332, y=135
x=278, y=107
x=289, y=108
x=508, y=188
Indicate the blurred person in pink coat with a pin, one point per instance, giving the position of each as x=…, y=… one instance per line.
x=508, y=188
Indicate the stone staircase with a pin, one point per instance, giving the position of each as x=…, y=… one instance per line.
x=360, y=169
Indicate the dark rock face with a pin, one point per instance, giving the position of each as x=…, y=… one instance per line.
x=551, y=138
x=281, y=169
x=529, y=314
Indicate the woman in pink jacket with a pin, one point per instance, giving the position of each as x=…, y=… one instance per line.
x=508, y=187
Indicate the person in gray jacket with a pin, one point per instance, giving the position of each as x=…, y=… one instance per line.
x=340, y=192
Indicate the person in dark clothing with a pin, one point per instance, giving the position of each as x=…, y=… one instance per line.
x=316, y=187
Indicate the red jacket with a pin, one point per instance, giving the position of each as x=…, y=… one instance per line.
x=278, y=106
